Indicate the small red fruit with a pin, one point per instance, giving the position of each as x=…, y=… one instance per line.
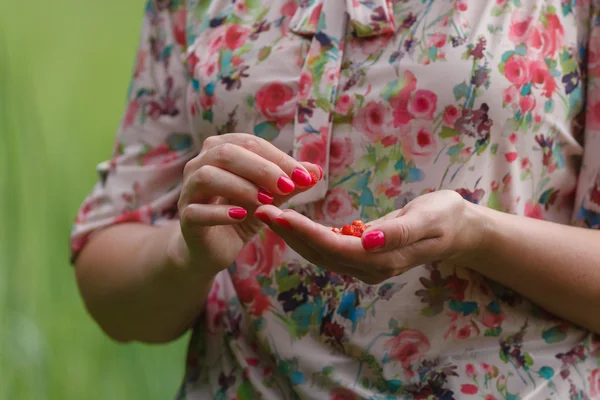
x=313, y=178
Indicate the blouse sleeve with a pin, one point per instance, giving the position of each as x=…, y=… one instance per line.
x=142, y=179
x=587, y=200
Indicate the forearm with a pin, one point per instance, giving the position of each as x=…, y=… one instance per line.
x=556, y=266
x=134, y=289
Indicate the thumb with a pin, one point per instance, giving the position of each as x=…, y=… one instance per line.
x=397, y=232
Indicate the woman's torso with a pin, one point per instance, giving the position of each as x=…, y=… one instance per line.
x=481, y=97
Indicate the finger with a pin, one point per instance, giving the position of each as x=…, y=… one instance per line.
x=202, y=215
x=298, y=172
x=210, y=181
x=399, y=232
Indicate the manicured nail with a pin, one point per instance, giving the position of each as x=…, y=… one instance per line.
x=320, y=172
x=265, y=197
x=238, y=213
x=284, y=222
x=373, y=240
x=286, y=185
x=264, y=218
x=301, y=177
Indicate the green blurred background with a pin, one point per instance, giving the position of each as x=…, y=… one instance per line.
x=64, y=72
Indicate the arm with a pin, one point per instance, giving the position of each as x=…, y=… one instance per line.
x=129, y=281
x=556, y=266
x=139, y=290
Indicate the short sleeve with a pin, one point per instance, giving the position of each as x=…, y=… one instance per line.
x=142, y=179
x=587, y=200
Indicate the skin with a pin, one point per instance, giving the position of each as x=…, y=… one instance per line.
x=442, y=226
x=149, y=284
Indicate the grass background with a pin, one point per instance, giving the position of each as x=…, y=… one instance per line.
x=64, y=71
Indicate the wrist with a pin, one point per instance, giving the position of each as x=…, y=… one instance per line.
x=179, y=257
x=479, y=228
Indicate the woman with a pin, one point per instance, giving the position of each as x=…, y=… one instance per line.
x=455, y=128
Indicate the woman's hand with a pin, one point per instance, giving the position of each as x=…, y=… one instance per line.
x=230, y=178
x=434, y=227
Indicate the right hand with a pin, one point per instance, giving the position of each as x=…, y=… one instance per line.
x=232, y=176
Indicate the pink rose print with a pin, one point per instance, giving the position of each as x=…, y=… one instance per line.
x=422, y=105
x=132, y=110
x=593, y=110
x=337, y=204
x=276, y=102
x=257, y=258
x=236, y=36
x=341, y=156
x=437, y=40
x=312, y=149
x=533, y=211
x=342, y=394
x=544, y=41
x=143, y=215
x=519, y=27
x=344, y=104
x=451, y=114
x=594, y=55
x=305, y=84
x=418, y=141
x=179, y=28
x=140, y=64
x=515, y=70
x=216, y=40
x=408, y=346
x=511, y=95
x=492, y=320
x=540, y=77
x=595, y=382
x=469, y=388
x=527, y=103
x=470, y=370
x=372, y=120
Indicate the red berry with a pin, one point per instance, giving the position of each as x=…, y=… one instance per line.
x=335, y=230
x=313, y=178
x=347, y=230
x=358, y=223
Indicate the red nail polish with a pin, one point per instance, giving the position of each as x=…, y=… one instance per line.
x=284, y=222
x=286, y=185
x=320, y=172
x=373, y=240
x=265, y=197
x=264, y=218
x=301, y=177
x=238, y=213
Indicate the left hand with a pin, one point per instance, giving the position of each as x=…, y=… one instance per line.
x=438, y=226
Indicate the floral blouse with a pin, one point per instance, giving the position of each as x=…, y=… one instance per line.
x=495, y=99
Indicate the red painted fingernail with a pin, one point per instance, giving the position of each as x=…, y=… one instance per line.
x=286, y=185
x=373, y=240
x=261, y=216
x=265, y=197
x=301, y=177
x=238, y=213
x=320, y=172
x=284, y=222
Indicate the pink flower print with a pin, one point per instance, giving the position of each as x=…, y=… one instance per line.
x=341, y=156
x=422, y=105
x=372, y=120
x=408, y=346
x=519, y=27
x=451, y=114
x=540, y=77
x=594, y=55
x=276, y=102
x=132, y=111
x=236, y=36
x=594, y=381
x=344, y=104
x=304, y=85
x=418, y=141
x=140, y=64
x=179, y=28
x=312, y=149
x=337, y=205
x=544, y=41
x=216, y=40
x=515, y=70
x=533, y=210
x=437, y=40
x=511, y=95
x=470, y=370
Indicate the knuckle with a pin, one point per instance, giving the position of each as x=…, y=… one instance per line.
x=211, y=142
x=187, y=216
x=251, y=143
x=189, y=167
x=203, y=176
x=224, y=153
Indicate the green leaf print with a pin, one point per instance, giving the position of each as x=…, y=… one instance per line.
x=267, y=130
x=324, y=104
x=494, y=201
x=461, y=91
x=246, y=391
x=555, y=334
x=448, y=132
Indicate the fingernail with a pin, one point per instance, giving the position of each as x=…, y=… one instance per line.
x=286, y=185
x=301, y=177
x=238, y=213
x=264, y=218
x=284, y=222
x=320, y=172
x=373, y=240
x=265, y=197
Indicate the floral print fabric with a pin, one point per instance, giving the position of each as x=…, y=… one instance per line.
x=496, y=99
